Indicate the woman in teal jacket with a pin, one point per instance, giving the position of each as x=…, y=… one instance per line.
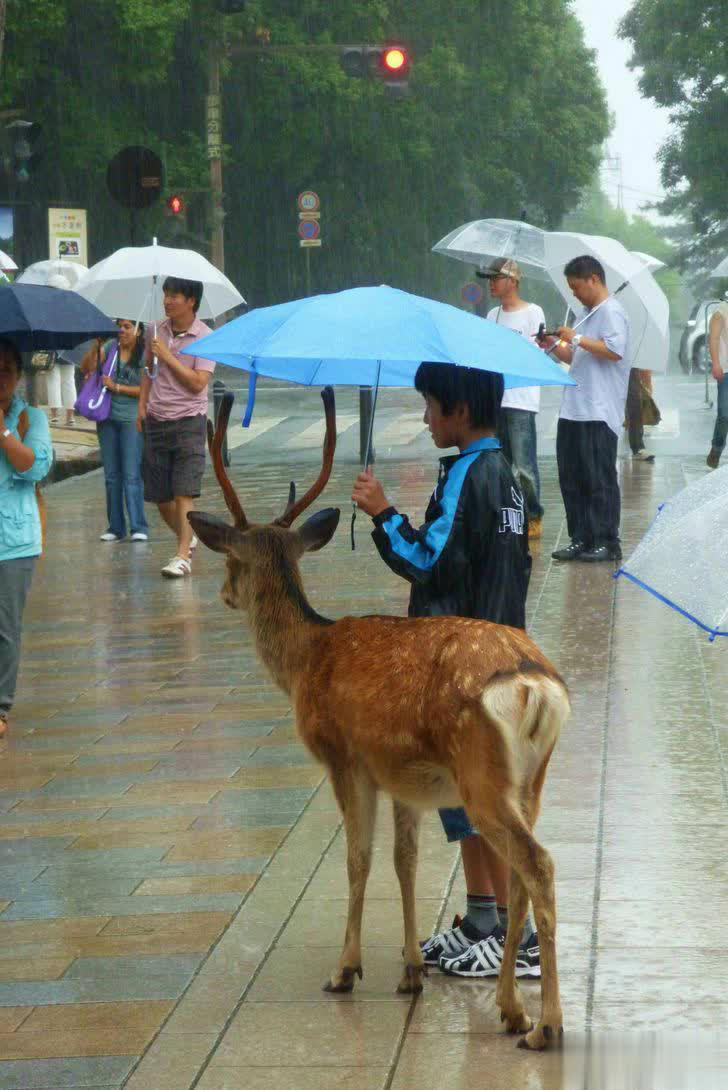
x=25, y=457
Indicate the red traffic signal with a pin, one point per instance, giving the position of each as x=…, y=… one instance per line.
x=395, y=61
x=175, y=204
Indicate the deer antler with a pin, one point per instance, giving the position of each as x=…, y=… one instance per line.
x=214, y=441
x=293, y=509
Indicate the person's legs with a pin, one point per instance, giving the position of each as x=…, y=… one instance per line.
x=720, y=430
x=184, y=504
x=570, y=457
x=110, y=447
x=68, y=389
x=15, y=580
x=188, y=466
x=633, y=413
x=522, y=434
x=131, y=452
x=603, y=498
x=53, y=391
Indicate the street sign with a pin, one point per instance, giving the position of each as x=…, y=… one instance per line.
x=472, y=293
x=308, y=201
x=67, y=234
x=309, y=215
x=309, y=229
x=134, y=177
x=308, y=242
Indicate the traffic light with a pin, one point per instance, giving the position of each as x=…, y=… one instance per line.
x=25, y=148
x=389, y=63
x=175, y=204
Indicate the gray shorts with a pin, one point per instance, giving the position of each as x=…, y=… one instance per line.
x=173, y=460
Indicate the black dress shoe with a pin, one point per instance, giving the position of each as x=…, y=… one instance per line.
x=569, y=552
x=601, y=552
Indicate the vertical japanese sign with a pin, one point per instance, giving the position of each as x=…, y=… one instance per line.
x=67, y=234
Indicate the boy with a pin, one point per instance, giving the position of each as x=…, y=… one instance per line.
x=469, y=559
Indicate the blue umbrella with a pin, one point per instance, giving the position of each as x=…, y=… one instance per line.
x=37, y=318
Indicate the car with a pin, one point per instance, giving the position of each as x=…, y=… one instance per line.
x=694, y=341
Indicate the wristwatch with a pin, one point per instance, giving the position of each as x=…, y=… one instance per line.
x=6, y=433
x=576, y=340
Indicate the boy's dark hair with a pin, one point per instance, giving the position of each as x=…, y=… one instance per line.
x=7, y=345
x=191, y=289
x=581, y=268
x=481, y=391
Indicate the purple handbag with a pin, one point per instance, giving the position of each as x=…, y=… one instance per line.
x=94, y=401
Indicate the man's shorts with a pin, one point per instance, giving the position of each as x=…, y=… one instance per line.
x=456, y=823
x=174, y=457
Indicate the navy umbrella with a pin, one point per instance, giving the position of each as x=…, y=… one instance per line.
x=37, y=318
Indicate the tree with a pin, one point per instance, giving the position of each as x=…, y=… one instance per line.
x=680, y=47
x=496, y=92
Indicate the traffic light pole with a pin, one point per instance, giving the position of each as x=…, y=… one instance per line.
x=214, y=145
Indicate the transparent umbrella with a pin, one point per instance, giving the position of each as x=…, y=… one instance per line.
x=40, y=271
x=482, y=242
x=681, y=558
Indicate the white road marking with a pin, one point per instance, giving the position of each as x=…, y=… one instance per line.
x=238, y=436
x=399, y=432
x=313, y=435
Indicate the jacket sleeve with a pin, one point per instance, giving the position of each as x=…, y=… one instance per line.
x=38, y=438
x=431, y=552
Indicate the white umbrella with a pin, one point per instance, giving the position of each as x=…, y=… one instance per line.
x=719, y=272
x=6, y=262
x=128, y=283
x=482, y=242
x=681, y=558
x=40, y=271
x=636, y=288
x=653, y=263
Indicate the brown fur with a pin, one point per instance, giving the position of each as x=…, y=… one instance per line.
x=432, y=711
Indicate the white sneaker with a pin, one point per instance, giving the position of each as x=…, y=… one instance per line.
x=195, y=542
x=177, y=568
x=643, y=456
x=139, y=536
x=108, y=536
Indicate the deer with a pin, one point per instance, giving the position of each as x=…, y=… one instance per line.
x=432, y=711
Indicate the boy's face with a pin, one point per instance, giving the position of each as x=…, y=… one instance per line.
x=445, y=430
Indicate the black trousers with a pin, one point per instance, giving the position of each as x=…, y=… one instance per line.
x=586, y=454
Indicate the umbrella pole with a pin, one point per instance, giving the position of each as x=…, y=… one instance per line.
x=368, y=449
x=581, y=321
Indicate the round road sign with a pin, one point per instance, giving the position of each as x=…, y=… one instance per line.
x=309, y=229
x=472, y=293
x=134, y=177
x=308, y=201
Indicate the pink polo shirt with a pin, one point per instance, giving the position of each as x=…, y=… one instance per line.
x=168, y=398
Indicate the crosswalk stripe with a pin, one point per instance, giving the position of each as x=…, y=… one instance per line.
x=400, y=431
x=313, y=434
x=238, y=436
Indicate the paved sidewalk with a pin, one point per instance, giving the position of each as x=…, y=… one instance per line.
x=172, y=878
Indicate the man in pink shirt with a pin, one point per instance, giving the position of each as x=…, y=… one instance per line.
x=173, y=417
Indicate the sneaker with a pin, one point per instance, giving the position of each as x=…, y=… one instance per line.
x=177, y=567
x=713, y=458
x=139, y=536
x=600, y=553
x=3, y=725
x=643, y=456
x=569, y=552
x=534, y=529
x=195, y=542
x=450, y=943
x=108, y=536
x=484, y=959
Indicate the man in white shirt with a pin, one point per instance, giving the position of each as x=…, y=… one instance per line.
x=517, y=419
x=592, y=415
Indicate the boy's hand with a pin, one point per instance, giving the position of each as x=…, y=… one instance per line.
x=368, y=494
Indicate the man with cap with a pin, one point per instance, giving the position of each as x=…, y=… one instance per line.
x=517, y=421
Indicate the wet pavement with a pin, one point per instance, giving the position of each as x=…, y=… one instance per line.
x=172, y=876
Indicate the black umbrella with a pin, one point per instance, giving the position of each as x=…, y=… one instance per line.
x=36, y=318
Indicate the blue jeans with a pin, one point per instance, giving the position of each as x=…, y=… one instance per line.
x=517, y=434
x=721, y=421
x=456, y=823
x=121, y=454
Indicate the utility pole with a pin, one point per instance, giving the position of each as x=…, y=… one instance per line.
x=3, y=8
x=216, y=50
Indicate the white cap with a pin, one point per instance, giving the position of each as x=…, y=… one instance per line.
x=58, y=280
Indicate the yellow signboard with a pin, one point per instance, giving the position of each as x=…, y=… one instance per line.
x=67, y=234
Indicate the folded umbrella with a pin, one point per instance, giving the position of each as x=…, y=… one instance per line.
x=681, y=558
x=35, y=318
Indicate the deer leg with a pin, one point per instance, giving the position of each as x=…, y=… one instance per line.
x=357, y=797
x=508, y=996
x=406, y=832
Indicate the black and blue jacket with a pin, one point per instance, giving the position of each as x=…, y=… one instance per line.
x=470, y=558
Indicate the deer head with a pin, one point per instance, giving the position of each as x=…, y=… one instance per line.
x=262, y=548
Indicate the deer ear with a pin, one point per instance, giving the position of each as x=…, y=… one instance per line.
x=213, y=532
x=319, y=529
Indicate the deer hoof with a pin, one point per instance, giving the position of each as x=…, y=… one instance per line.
x=516, y=1021
x=343, y=980
x=543, y=1036
x=412, y=981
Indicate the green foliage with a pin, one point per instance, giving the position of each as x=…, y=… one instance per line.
x=680, y=47
x=497, y=92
